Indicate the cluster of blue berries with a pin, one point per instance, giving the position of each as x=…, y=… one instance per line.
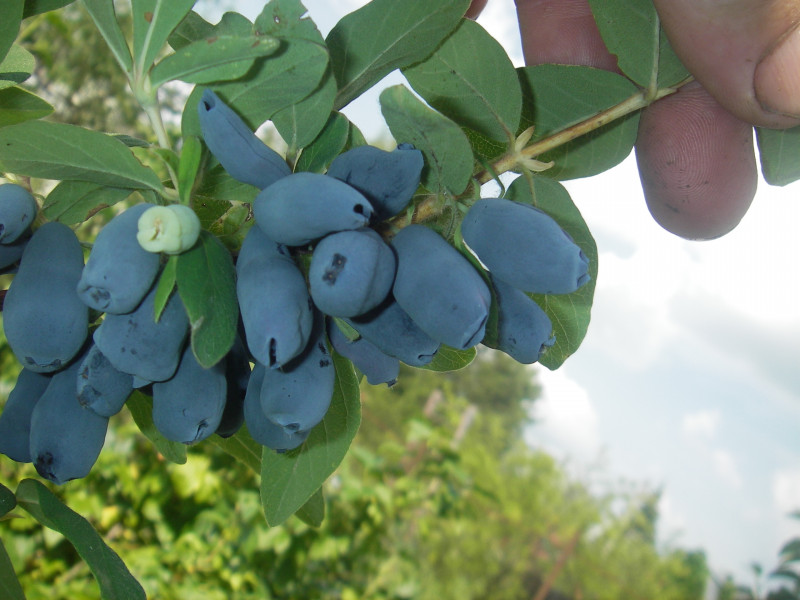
x=376, y=303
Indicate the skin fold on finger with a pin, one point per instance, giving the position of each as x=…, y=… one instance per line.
x=726, y=46
x=696, y=163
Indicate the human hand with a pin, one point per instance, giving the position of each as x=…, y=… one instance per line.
x=695, y=148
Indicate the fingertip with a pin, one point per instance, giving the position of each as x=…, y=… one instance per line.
x=696, y=164
x=475, y=9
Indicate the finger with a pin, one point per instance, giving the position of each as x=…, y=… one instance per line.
x=475, y=9
x=746, y=53
x=696, y=163
x=562, y=31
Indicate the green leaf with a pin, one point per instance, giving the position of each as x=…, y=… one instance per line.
x=166, y=284
x=329, y=143
x=780, y=155
x=188, y=165
x=60, y=151
x=483, y=94
x=448, y=154
x=141, y=407
x=632, y=31
x=278, y=81
x=450, y=359
x=300, y=123
x=289, y=479
x=9, y=24
x=559, y=96
x=73, y=202
x=105, y=19
x=18, y=105
x=7, y=500
x=207, y=285
x=218, y=184
x=242, y=447
x=10, y=588
x=114, y=578
x=312, y=513
x=192, y=28
x=386, y=35
x=214, y=59
x=153, y=22
x=570, y=313
x=16, y=67
x=37, y=7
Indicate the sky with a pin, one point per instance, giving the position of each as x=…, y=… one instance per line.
x=688, y=378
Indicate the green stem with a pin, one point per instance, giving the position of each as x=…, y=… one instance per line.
x=628, y=106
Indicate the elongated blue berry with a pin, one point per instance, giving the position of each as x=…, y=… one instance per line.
x=351, y=272
x=15, y=421
x=524, y=246
x=524, y=331
x=376, y=366
x=273, y=301
x=44, y=319
x=245, y=157
x=260, y=428
x=439, y=288
x=307, y=206
x=387, y=179
x=298, y=395
x=17, y=211
x=101, y=387
x=11, y=253
x=65, y=438
x=390, y=328
x=135, y=343
x=119, y=271
x=188, y=407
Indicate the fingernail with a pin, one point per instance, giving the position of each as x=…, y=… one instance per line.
x=777, y=76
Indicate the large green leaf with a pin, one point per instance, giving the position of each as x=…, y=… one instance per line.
x=471, y=80
x=451, y=359
x=141, y=408
x=73, y=202
x=289, y=479
x=9, y=24
x=16, y=67
x=60, y=151
x=105, y=19
x=386, y=35
x=300, y=123
x=319, y=154
x=36, y=7
x=570, y=313
x=153, y=22
x=18, y=105
x=313, y=512
x=559, y=96
x=632, y=31
x=7, y=500
x=210, y=60
x=114, y=578
x=448, y=155
x=10, y=588
x=780, y=155
x=242, y=447
x=274, y=82
x=207, y=285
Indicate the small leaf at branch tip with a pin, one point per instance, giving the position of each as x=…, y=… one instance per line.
x=528, y=162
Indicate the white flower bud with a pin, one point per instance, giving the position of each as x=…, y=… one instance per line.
x=169, y=229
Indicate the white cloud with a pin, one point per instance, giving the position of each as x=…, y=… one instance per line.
x=786, y=490
x=703, y=424
x=726, y=468
x=565, y=419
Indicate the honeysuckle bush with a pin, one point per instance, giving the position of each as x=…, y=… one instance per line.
x=471, y=114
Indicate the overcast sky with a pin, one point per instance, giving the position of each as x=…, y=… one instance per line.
x=688, y=379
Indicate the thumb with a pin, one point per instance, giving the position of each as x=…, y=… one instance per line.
x=745, y=53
